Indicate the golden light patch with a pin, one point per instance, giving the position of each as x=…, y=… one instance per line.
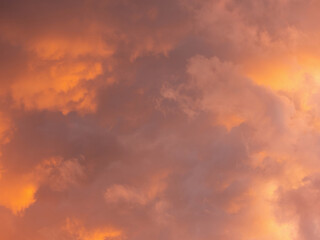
x=261, y=221
x=101, y=234
x=229, y=120
x=57, y=47
x=283, y=72
x=58, y=87
x=76, y=229
x=277, y=72
x=57, y=66
x=17, y=193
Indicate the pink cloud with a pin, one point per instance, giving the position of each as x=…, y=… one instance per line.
x=135, y=120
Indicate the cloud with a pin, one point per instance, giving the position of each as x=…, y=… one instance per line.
x=151, y=119
x=18, y=193
x=19, y=190
x=75, y=228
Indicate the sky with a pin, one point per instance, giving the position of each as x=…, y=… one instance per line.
x=159, y=119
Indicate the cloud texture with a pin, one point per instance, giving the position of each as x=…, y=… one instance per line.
x=164, y=120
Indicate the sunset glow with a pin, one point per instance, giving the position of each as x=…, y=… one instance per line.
x=159, y=120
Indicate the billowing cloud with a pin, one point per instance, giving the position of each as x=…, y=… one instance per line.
x=148, y=119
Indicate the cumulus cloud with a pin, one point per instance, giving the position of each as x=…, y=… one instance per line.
x=152, y=119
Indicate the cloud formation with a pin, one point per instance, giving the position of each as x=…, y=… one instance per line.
x=148, y=119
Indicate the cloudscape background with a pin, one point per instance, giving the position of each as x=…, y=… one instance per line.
x=163, y=120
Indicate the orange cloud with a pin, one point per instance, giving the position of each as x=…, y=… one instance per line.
x=148, y=119
x=60, y=86
x=18, y=192
x=76, y=229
